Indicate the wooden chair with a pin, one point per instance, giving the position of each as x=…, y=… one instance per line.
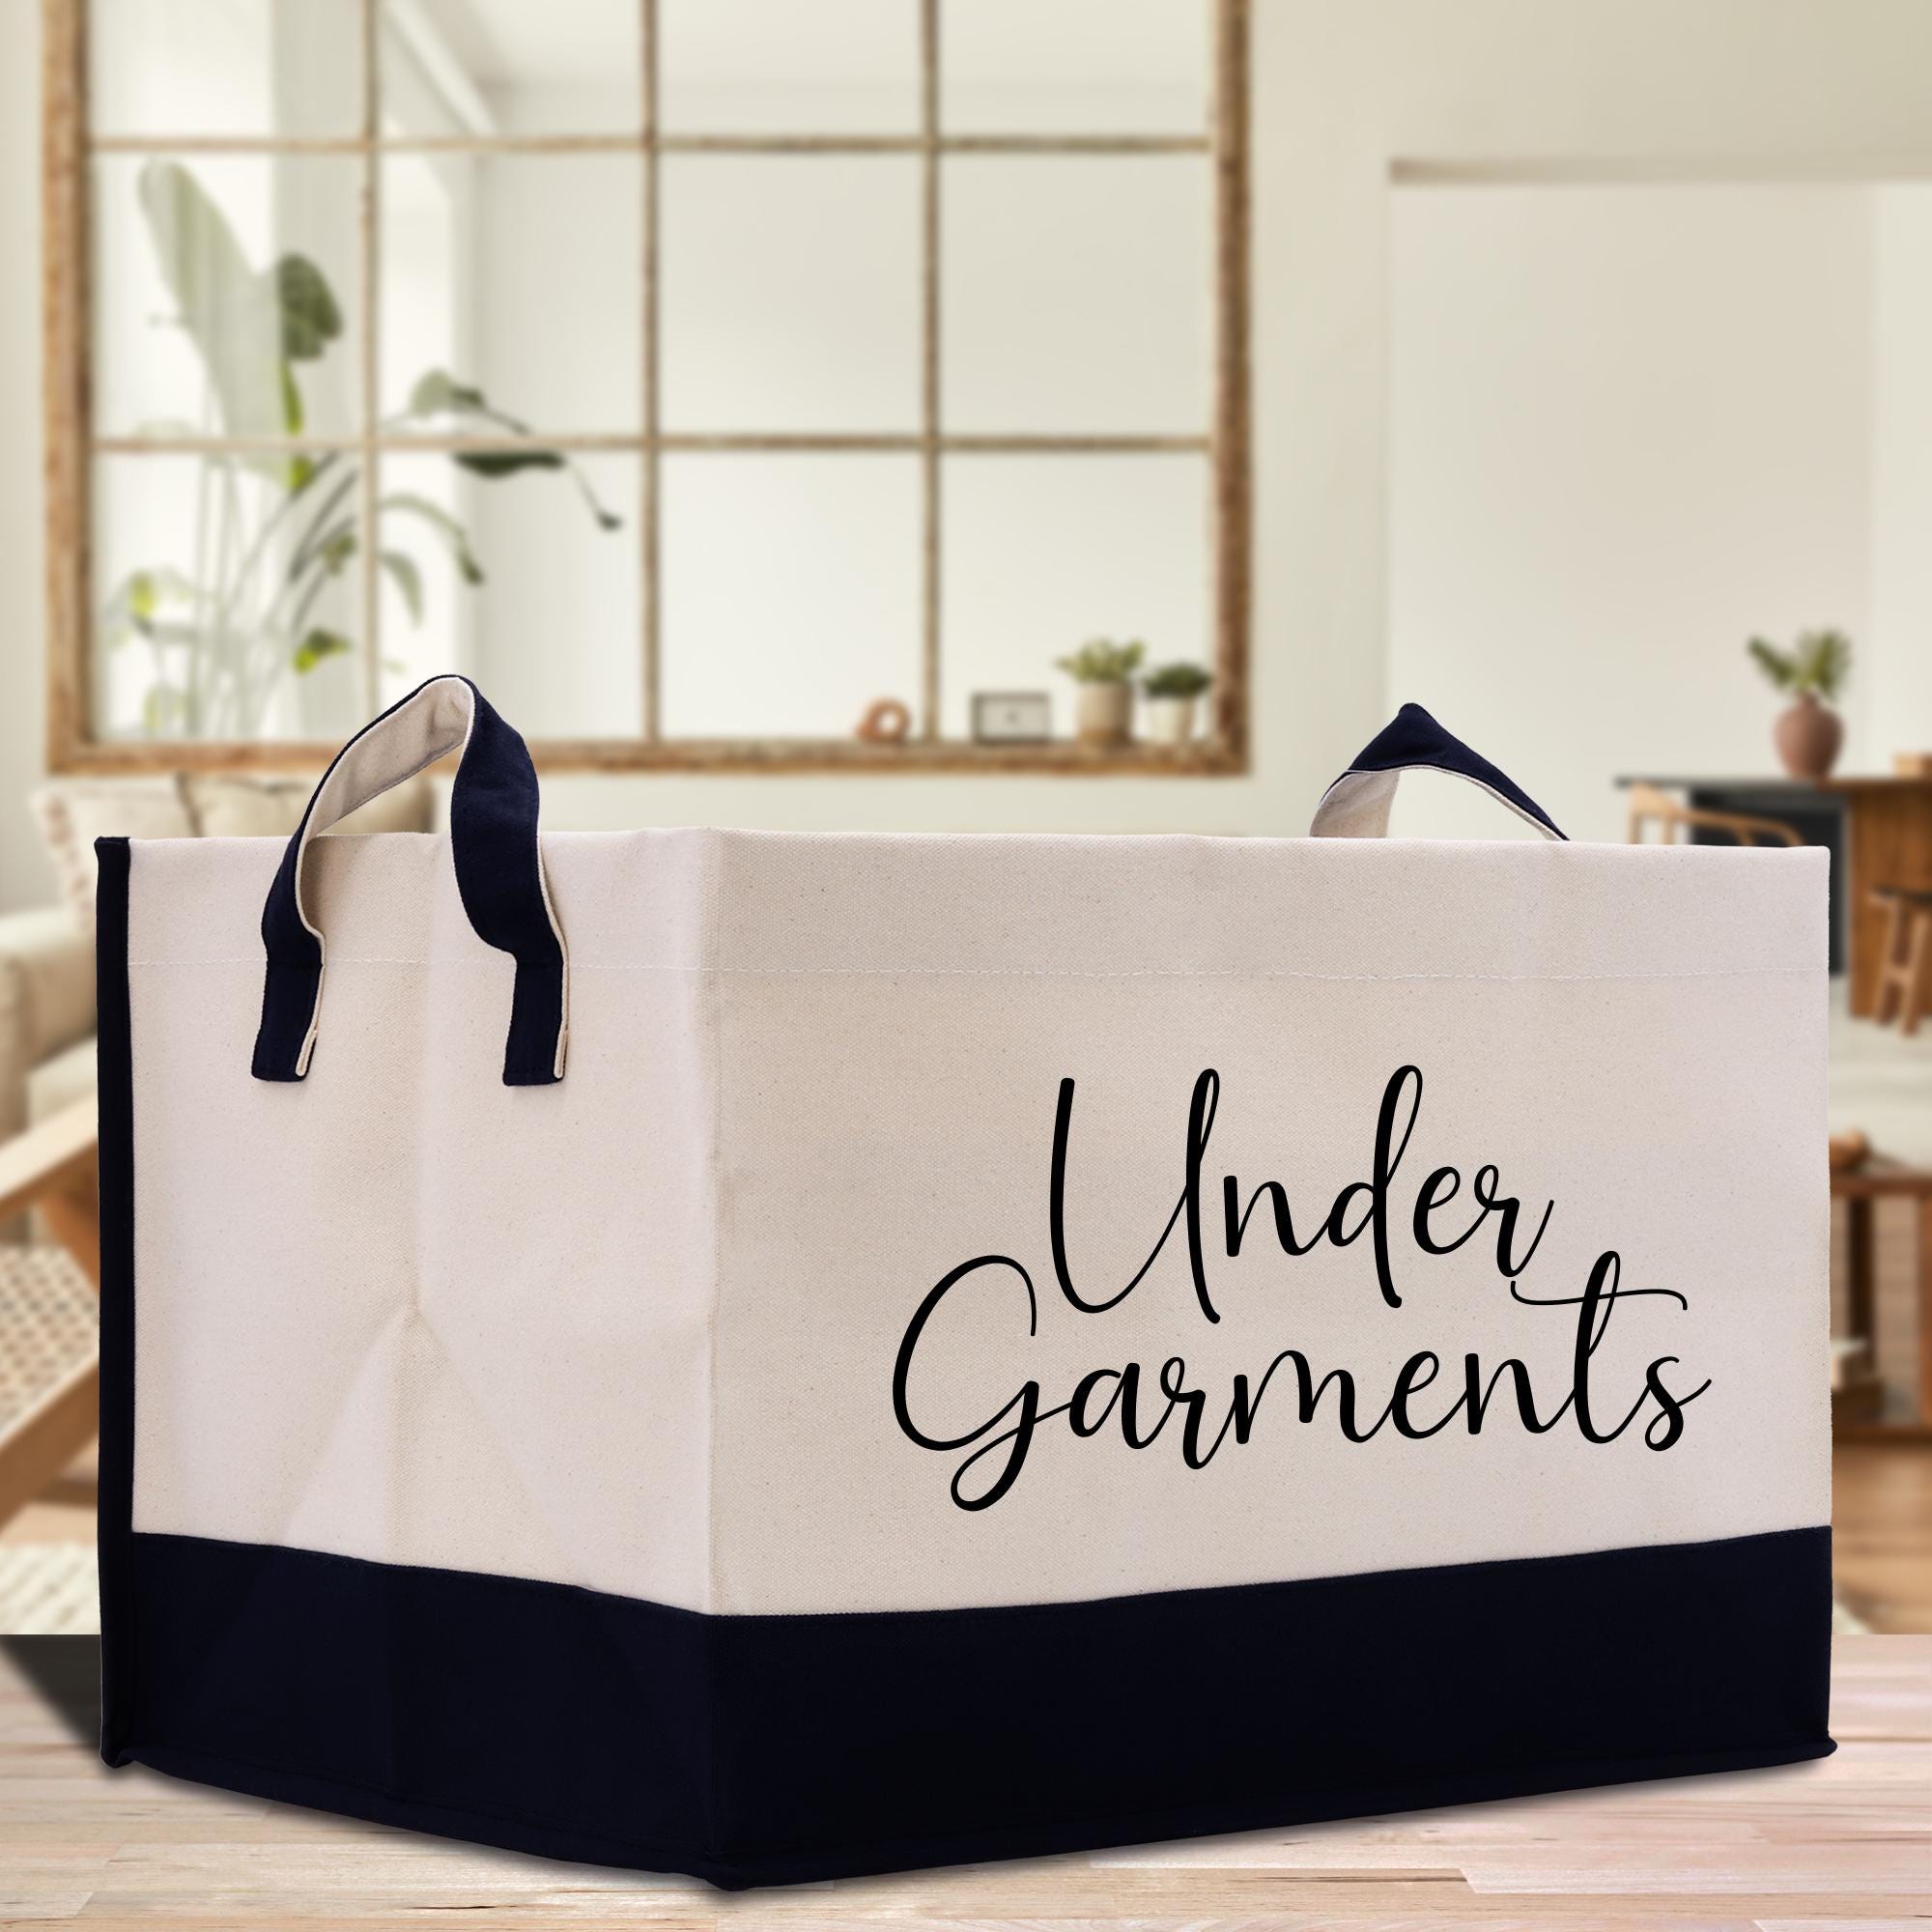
x=1905, y=965
x=50, y=1319
x=1649, y=806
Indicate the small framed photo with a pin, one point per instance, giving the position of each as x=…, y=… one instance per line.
x=1011, y=717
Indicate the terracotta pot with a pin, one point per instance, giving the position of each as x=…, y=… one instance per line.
x=1807, y=737
x=1103, y=713
x=1170, y=720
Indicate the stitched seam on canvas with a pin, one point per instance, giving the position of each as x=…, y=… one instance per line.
x=1116, y=1600
x=1056, y=971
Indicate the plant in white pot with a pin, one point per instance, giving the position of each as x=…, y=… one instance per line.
x=1173, y=691
x=1808, y=733
x=1104, y=672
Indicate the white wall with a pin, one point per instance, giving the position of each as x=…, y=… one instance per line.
x=1347, y=92
x=1630, y=427
x=25, y=876
x=1897, y=690
x=1343, y=91
x=1832, y=90
x=1075, y=299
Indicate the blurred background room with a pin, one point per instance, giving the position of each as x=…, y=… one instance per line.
x=973, y=416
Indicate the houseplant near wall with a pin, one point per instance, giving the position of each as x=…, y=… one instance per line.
x=1104, y=672
x=1172, y=692
x=1808, y=734
x=273, y=532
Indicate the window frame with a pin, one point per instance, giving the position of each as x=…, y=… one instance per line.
x=68, y=149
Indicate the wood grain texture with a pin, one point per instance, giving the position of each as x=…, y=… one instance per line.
x=1232, y=515
x=67, y=401
x=1888, y=844
x=1061, y=757
x=1882, y=1532
x=56, y=1156
x=1860, y=1188
x=1843, y=1842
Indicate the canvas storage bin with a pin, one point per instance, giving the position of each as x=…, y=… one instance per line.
x=810, y=1354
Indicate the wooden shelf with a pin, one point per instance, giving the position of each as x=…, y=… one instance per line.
x=1216, y=757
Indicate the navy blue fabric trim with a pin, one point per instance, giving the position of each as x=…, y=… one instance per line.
x=493, y=832
x=492, y=826
x=115, y=1495
x=1413, y=738
x=772, y=1749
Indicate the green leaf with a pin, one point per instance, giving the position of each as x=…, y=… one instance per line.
x=298, y=473
x=437, y=392
x=1177, y=680
x=495, y=463
x=408, y=503
x=323, y=523
x=1777, y=665
x=1824, y=660
x=1819, y=663
x=247, y=327
x=316, y=646
x=311, y=319
x=292, y=401
x=161, y=708
x=220, y=301
x=405, y=575
x=1101, y=661
x=139, y=598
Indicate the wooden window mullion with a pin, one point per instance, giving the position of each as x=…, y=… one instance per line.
x=1229, y=468
x=70, y=144
x=651, y=479
x=368, y=260
x=930, y=558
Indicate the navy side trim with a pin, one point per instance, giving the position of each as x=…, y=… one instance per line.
x=754, y=1749
x=116, y=1480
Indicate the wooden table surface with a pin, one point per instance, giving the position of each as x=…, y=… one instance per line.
x=1845, y=1841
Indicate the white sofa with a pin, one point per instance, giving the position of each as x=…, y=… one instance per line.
x=46, y=955
x=46, y=1015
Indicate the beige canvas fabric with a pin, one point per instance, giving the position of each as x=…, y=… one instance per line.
x=638, y=1331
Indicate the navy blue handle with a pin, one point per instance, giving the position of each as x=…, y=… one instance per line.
x=493, y=836
x=1356, y=805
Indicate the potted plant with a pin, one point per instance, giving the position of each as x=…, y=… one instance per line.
x=226, y=641
x=1104, y=672
x=1172, y=692
x=1808, y=733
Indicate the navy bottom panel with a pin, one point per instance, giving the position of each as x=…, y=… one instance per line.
x=756, y=1750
